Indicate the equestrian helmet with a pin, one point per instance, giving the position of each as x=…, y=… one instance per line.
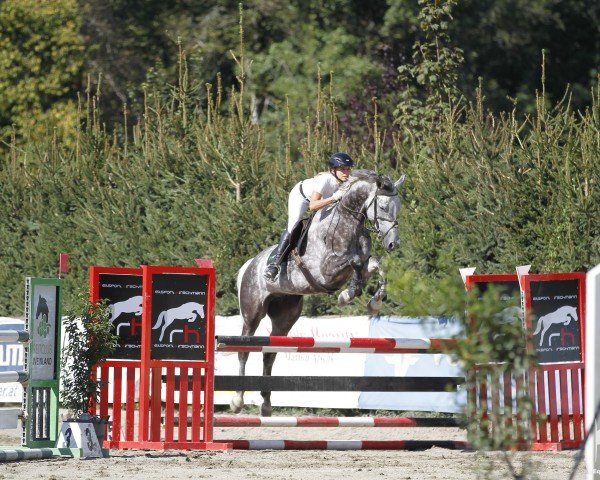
x=340, y=159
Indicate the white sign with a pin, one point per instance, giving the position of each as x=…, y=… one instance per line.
x=42, y=327
x=12, y=358
x=80, y=435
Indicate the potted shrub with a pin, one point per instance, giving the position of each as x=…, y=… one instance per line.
x=89, y=340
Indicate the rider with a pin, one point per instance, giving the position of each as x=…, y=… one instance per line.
x=313, y=193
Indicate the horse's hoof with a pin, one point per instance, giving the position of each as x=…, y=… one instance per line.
x=374, y=305
x=236, y=404
x=266, y=410
x=344, y=298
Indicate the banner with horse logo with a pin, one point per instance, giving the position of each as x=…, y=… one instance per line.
x=124, y=294
x=178, y=317
x=554, y=303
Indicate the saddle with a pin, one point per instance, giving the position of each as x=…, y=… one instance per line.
x=297, y=248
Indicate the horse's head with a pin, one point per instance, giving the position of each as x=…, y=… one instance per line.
x=42, y=307
x=383, y=208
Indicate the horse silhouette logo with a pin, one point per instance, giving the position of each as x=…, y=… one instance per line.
x=563, y=315
x=131, y=305
x=188, y=311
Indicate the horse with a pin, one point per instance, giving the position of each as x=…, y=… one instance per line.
x=562, y=315
x=188, y=311
x=42, y=308
x=131, y=305
x=338, y=250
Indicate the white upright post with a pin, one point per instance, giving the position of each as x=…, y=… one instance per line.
x=465, y=272
x=592, y=372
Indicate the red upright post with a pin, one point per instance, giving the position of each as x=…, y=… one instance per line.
x=178, y=333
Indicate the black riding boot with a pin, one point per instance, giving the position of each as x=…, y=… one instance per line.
x=275, y=258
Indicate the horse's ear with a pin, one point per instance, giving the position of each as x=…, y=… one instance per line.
x=400, y=181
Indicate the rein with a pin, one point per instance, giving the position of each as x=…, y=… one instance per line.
x=357, y=213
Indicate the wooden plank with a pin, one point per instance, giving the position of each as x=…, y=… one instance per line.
x=564, y=405
x=337, y=384
x=542, y=411
x=130, y=404
x=577, y=410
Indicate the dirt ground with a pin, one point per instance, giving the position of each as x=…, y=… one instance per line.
x=434, y=463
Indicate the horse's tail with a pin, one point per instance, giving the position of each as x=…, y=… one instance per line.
x=538, y=328
x=160, y=321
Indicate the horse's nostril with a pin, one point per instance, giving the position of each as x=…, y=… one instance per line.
x=392, y=246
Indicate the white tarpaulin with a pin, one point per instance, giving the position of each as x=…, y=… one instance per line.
x=298, y=364
x=350, y=364
x=413, y=365
x=11, y=359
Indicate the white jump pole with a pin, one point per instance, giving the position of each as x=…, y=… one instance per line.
x=592, y=372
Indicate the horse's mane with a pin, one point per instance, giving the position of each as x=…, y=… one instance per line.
x=370, y=176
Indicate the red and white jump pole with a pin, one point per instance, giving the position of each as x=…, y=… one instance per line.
x=317, y=345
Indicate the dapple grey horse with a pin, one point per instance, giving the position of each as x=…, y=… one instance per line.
x=338, y=249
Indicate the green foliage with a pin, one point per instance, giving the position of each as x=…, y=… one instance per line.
x=91, y=340
x=495, y=192
x=432, y=78
x=492, y=344
x=41, y=59
x=502, y=41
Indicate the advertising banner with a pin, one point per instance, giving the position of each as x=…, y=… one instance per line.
x=124, y=294
x=350, y=364
x=555, y=312
x=43, y=331
x=178, y=317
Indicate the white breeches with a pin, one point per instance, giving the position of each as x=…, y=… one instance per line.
x=297, y=206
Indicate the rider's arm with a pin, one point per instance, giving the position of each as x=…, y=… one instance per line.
x=317, y=202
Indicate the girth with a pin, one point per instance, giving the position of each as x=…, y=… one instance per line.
x=313, y=282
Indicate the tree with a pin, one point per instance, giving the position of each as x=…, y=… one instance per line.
x=41, y=60
x=431, y=80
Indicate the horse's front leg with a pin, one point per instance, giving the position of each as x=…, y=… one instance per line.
x=374, y=305
x=268, y=360
x=356, y=283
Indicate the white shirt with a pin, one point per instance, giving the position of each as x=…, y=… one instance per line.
x=324, y=183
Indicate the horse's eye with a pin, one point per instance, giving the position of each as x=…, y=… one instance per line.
x=385, y=207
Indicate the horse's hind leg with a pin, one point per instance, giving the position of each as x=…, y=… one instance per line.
x=284, y=312
x=253, y=309
x=237, y=402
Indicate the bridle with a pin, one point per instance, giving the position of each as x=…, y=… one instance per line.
x=376, y=218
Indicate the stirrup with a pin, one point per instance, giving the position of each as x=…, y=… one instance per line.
x=271, y=272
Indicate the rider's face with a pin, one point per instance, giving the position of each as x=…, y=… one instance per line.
x=342, y=173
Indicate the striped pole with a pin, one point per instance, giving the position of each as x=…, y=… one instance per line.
x=14, y=336
x=317, y=345
x=307, y=421
x=345, y=444
x=25, y=454
x=9, y=377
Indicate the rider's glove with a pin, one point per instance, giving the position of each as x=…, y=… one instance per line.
x=336, y=196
